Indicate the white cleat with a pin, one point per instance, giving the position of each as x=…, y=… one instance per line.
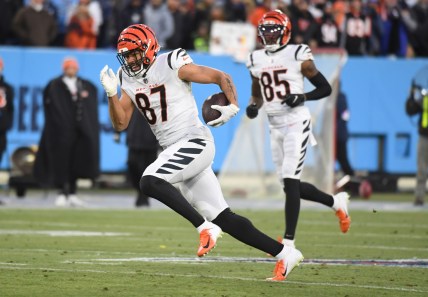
x=341, y=201
x=284, y=266
x=62, y=201
x=76, y=201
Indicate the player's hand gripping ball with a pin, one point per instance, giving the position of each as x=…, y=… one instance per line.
x=216, y=110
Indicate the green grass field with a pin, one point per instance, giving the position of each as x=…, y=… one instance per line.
x=82, y=252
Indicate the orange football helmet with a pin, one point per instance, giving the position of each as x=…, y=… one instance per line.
x=137, y=48
x=274, y=29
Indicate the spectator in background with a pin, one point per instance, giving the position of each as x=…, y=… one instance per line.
x=356, y=30
x=202, y=12
x=6, y=109
x=328, y=34
x=342, y=118
x=371, y=10
x=69, y=144
x=80, y=31
x=159, y=18
x=201, y=40
x=34, y=26
x=420, y=35
x=142, y=151
x=94, y=9
x=257, y=13
x=303, y=23
x=132, y=13
x=8, y=9
x=181, y=38
x=235, y=11
x=339, y=10
x=417, y=104
x=396, y=22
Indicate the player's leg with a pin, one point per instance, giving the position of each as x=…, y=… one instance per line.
x=294, y=144
x=179, y=162
x=339, y=203
x=204, y=192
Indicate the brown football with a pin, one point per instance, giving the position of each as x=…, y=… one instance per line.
x=209, y=114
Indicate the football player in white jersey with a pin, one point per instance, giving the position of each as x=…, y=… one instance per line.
x=160, y=88
x=278, y=71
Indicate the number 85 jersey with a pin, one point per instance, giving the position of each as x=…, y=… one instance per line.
x=279, y=74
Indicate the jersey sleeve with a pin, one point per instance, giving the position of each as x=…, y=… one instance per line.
x=252, y=66
x=178, y=58
x=303, y=53
x=119, y=75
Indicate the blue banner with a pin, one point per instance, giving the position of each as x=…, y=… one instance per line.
x=29, y=71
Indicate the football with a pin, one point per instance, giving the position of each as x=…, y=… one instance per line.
x=209, y=114
x=365, y=189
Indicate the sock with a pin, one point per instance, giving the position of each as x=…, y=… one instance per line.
x=282, y=253
x=335, y=205
x=243, y=230
x=204, y=225
x=292, y=206
x=166, y=193
x=288, y=242
x=311, y=193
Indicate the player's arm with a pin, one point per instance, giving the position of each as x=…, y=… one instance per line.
x=256, y=99
x=206, y=75
x=120, y=110
x=322, y=86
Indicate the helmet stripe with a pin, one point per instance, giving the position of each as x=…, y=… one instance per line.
x=139, y=29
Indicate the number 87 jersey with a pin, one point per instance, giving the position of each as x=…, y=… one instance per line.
x=279, y=73
x=164, y=99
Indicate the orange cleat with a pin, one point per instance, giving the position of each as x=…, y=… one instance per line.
x=208, y=239
x=342, y=200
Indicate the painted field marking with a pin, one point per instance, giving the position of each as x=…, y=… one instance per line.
x=198, y=276
x=415, y=263
x=61, y=233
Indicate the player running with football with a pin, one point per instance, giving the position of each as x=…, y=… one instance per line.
x=160, y=88
x=278, y=72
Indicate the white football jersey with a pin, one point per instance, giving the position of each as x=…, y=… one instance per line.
x=279, y=73
x=164, y=99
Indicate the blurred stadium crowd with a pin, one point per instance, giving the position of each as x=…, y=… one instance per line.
x=362, y=27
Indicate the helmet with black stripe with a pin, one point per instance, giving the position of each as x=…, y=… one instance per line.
x=137, y=48
x=274, y=30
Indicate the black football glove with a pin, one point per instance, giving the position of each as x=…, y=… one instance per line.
x=252, y=111
x=293, y=100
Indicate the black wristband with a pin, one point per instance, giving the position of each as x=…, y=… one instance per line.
x=322, y=87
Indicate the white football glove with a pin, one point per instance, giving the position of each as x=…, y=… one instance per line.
x=227, y=112
x=109, y=81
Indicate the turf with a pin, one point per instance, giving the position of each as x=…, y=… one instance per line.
x=152, y=253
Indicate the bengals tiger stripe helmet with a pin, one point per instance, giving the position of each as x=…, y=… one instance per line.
x=137, y=48
x=274, y=30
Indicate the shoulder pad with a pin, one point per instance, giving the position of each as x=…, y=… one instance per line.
x=178, y=58
x=303, y=53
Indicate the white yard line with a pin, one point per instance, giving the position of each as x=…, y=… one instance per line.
x=377, y=247
x=198, y=276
